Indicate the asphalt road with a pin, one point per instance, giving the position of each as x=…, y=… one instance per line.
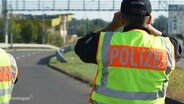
x=180, y=63
x=39, y=84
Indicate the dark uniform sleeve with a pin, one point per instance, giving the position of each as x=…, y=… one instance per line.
x=86, y=48
x=177, y=47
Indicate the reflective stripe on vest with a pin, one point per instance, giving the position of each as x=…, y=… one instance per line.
x=13, y=67
x=5, y=99
x=128, y=95
x=167, y=67
x=171, y=64
x=6, y=78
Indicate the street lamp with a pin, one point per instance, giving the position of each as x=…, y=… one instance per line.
x=5, y=12
x=11, y=27
x=43, y=25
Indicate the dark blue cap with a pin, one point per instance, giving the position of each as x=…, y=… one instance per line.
x=136, y=7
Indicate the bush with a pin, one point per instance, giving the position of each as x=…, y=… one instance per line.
x=55, y=39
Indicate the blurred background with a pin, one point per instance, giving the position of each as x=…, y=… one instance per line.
x=24, y=23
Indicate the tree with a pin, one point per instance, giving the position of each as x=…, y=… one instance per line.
x=29, y=32
x=161, y=23
x=15, y=28
x=80, y=27
x=1, y=30
x=54, y=39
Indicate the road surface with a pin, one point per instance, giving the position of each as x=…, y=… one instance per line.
x=39, y=84
x=180, y=63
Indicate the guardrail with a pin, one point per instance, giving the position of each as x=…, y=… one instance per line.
x=60, y=57
x=59, y=53
x=16, y=45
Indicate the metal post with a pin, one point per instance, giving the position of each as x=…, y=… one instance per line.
x=43, y=25
x=5, y=13
x=16, y=3
x=24, y=4
x=54, y=2
x=39, y=4
x=84, y=5
x=113, y=4
x=68, y=4
x=43, y=28
x=11, y=22
x=98, y=4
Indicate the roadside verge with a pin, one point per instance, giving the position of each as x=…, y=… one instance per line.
x=74, y=68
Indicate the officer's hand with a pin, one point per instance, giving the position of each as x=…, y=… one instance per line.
x=117, y=21
x=153, y=30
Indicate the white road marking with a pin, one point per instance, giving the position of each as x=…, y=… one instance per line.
x=28, y=54
x=23, y=56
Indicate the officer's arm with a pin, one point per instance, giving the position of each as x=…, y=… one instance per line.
x=14, y=68
x=177, y=47
x=86, y=47
x=116, y=23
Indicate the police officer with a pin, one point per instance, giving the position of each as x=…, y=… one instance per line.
x=8, y=76
x=133, y=65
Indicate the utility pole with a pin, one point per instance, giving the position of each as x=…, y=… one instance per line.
x=11, y=27
x=39, y=4
x=84, y=5
x=54, y=2
x=113, y=4
x=43, y=24
x=98, y=4
x=68, y=4
x=16, y=3
x=5, y=13
x=24, y=4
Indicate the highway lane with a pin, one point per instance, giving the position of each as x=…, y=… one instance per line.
x=180, y=63
x=39, y=84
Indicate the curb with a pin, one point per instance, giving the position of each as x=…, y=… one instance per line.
x=84, y=80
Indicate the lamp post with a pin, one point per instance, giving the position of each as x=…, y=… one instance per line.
x=11, y=27
x=43, y=26
x=5, y=13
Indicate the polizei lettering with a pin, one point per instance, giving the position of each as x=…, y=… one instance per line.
x=137, y=57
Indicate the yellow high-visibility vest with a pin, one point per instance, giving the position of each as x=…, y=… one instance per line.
x=8, y=74
x=133, y=68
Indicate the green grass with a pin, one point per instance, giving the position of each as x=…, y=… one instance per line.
x=77, y=68
x=176, y=84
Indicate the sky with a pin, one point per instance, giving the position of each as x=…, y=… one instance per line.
x=108, y=16
x=78, y=4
